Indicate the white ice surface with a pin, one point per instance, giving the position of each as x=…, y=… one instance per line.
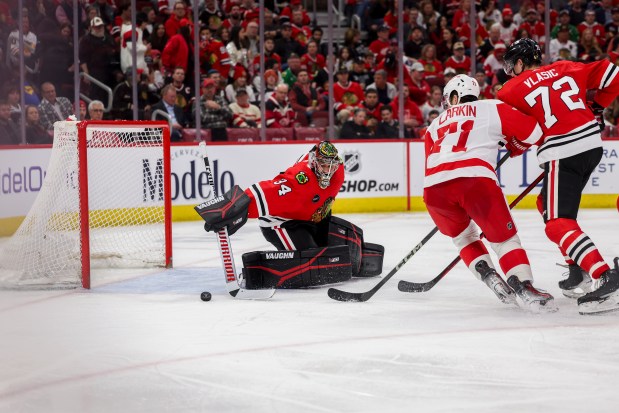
x=144, y=342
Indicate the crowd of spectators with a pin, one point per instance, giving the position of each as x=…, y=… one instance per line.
x=437, y=44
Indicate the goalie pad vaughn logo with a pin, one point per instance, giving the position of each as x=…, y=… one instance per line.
x=278, y=255
x=352, y=162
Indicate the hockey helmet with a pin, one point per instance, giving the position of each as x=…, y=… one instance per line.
x=324, y=160
x=524, y=49
x=463, y=85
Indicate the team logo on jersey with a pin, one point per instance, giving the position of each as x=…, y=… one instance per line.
x=302, y=178
x=352, y=162
x=316, y=198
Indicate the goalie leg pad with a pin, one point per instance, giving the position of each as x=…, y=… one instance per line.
x=342, y=232
x=228, y=210
x=296, y=269
x=371, y=260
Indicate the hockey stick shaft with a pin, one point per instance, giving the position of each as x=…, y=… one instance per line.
x=412, y=287
x=225, y=250
x=340, y=295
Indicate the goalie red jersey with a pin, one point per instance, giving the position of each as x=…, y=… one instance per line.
x=462, y=141
x=295, y=194
x=556, y=96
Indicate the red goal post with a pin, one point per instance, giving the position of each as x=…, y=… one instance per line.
x=105, y=202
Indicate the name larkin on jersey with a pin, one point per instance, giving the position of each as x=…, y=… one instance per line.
x=539, y=76
x=460, y=110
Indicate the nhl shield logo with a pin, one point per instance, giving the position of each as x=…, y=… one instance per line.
x=352, y=162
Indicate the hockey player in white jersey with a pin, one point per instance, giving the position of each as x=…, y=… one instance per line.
x=461, y=187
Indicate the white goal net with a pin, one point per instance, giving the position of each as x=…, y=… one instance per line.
x=105, y=202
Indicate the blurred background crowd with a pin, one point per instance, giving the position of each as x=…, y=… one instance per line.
x=292, y=90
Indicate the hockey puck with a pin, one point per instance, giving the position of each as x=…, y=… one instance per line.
x=205, y=296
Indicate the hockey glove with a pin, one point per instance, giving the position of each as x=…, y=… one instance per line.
x=226, y=211
x=598, y=112
x=515, y=146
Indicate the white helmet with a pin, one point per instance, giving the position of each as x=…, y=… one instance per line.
x=462, y=84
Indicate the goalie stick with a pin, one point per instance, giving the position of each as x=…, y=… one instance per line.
x=413, y=287
x=225, y=251
x=340, y=295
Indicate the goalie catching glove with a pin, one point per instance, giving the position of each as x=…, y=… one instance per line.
x=225, y=211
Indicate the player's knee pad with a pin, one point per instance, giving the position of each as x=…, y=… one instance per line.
x=342, y=232
x=466, y=237
x=228, y=210
x=297, y=269
x=558, y=227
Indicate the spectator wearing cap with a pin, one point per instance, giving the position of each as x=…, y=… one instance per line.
x=612, y=27
x=562, y=47
x=564, y=21
x=386, y=90
x=356, y=127
x=415, y=43
x=507, y=26
x=380, y=46
x=216, y=115
x=176, y=116
x=176, y=51
x=96, y=50
x=419, y=90
x=535, y=27
x=244, y=114
x=289, y=76
x=286, y=45
x=239, y=82
x=432, y=66
x=459, y=61
x=449, y=74
x=596, y=28
x=83, y=110
x=174, y=21
x=494, y=62
x=345, y=92
x=279, y=113
x=435, y=100
x=360, y=73
x=305, y=99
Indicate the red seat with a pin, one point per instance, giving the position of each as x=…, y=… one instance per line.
x=190, y=135
x=310, y=134
x=243, y=134
x=280, y=134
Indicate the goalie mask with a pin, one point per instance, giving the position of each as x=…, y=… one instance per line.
x=324, y=161
x=463, y=85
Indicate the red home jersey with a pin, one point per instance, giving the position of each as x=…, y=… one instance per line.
x=555, y=95
x=464, y=139
x=294, y=194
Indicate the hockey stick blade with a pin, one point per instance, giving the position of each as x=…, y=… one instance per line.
x=413, y=287
x=340, y=295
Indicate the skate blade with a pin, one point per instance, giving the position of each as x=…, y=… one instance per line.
x=609, y=305
x=541, y=307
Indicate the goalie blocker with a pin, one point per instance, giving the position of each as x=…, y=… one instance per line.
x=346, y=255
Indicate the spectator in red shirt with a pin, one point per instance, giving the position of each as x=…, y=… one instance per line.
x=312, y=60
x=459, y=62
x=432, y=66
x=372, y=108
x=279, y=113
x=380, y=46
x=176, y=51
x=174, y=22
x=412, y=114
x=596, y=28
x=536, y=29
x=419, y=88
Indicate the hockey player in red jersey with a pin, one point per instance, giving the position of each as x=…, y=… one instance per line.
x=569, y=152
x=461, y=187
x=294, y=214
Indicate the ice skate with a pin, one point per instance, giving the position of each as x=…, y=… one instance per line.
x=577, y=283
x=533, y=299
x=494, y=281
x=605, y=296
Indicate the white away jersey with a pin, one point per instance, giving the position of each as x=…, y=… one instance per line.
x=464, y=140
